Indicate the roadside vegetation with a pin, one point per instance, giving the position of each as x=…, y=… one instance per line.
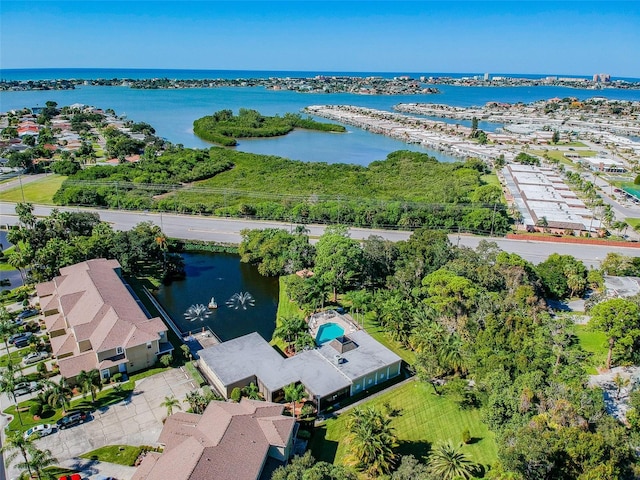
x=407, y=190
x=223, y=127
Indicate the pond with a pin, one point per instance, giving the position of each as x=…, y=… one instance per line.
x=223, y=277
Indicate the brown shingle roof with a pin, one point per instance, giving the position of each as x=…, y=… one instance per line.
x=230, y=441
x=72, y=366
x=98, y=307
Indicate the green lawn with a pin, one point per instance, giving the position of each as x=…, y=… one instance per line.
x=378, y=333
x=594, y=343
x=106, y=397
x=16, y=356
x=120, y=454
x=424, y=418
x=41, y=191
x=633, y=222
x=571, y=144
x=286, y=309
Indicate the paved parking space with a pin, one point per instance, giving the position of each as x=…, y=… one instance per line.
x=136, y=421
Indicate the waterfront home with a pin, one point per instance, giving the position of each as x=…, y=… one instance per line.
x=95, y=322
x=337, y=369
x=229, y=441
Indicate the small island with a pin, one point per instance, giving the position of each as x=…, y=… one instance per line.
x=224, y=128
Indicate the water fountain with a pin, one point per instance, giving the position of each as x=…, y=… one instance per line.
x=241, y=300
x=197, y=312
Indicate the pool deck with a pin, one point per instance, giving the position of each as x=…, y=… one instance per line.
x=331, y=316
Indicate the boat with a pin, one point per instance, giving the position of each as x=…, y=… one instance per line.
x=213, y=304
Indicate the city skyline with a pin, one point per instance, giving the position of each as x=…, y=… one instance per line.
x=555, y=38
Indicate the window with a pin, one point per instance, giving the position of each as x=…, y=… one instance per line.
x=119, y=350
x=148, y=344
x=105, y=374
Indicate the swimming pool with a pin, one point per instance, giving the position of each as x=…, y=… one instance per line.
x=328, y=332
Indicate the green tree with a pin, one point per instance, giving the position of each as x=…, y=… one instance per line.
x=293, y=393
x=555, y=138
x=290, y=329
x=170, y=403
x=449, y=463
x=252, y=392
x=90, y=382
x=59, y=394
x=618, y=319
x=371, y=441
x=338, y=259
x=16, y=444
x=40, y=459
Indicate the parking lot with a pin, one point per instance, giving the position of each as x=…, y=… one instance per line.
x=136, y=421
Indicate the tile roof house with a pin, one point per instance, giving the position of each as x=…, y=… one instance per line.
x=95, y=322
x=229, y=441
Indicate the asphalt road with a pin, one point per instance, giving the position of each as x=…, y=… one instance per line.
x=227, y=230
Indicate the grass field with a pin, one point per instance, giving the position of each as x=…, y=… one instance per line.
x=633, y=222
x=594, y=343
x=424, y=418
x=119, y=454
x=286, y=309
x=41, y=191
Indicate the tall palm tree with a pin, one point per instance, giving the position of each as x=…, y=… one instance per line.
x=170, y=403
x=294, y=393
x=16, y=444
x=371, y=440
x=90, y=382
x=40, y=459
x=449, y=463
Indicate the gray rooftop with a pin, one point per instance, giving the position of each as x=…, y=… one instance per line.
x=318, y=369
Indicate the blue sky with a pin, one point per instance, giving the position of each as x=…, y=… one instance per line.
x=576, y=37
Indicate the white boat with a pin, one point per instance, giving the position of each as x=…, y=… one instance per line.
x=213, y=304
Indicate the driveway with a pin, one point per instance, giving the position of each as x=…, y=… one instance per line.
x=135, y=421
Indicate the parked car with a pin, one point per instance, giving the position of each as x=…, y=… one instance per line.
x=74, y=418
x=27, y=314
x=21, y=339
x=42, y=430
x=34, y=357
x=23, y=388
x=73, y=476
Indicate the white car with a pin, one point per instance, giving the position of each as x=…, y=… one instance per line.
x=34, y=357
x=41, y=430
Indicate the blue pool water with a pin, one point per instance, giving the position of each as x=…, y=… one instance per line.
x=328, y=332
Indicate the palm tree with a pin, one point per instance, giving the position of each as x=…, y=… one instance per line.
x=293, y=393
x=59, y=394
x=448, y=462
x=171, y=403
x=90, y=382
x=16, y=444
x=290, y=329
x=7, y=327
x=40, y=459
x=371, y=440
x=251, y=392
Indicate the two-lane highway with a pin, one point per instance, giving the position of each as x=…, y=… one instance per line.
x=227, y=230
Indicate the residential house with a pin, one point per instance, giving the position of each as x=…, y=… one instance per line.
x=229, y=441
x=95, y=322
x=335, y=370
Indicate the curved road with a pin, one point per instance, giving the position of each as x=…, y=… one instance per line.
x=227, y=230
